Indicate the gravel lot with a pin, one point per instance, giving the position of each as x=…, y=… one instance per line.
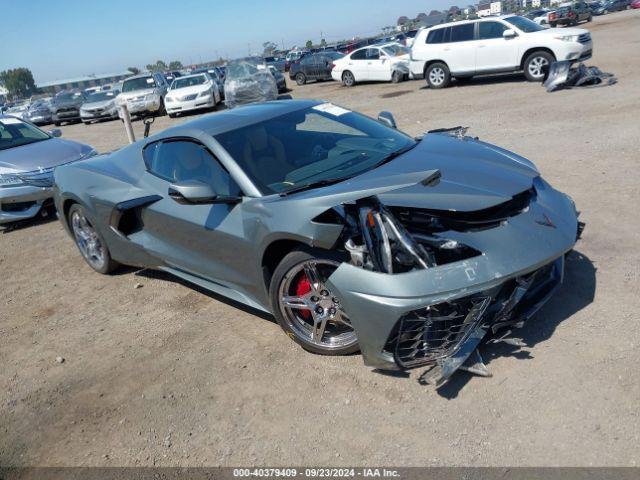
x=167, y=374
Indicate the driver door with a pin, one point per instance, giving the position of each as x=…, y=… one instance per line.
x=201, y=239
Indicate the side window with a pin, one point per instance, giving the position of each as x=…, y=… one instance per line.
x=435, y=36
x=180, y=160
x=359, y=54
x=462, y=33
x=373, y=54
x=489, y=30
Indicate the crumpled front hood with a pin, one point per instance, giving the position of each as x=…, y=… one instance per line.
x=43, y=154
x=474, y=175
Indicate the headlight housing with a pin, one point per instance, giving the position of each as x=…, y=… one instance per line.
x=204, y=93
x=10, y=180
x=152, y=97
x=567, y=38
x=169, y=99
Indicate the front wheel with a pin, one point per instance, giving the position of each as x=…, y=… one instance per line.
x=438, y=75
x=306, y=308
x=90, y=243
x=536, y=65
x=396, y=77
x=348, y=80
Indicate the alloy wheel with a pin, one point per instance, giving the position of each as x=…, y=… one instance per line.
x=348, y=79
x=536, y=66
x=87, y=240
x=312, y=312
x=436, y=76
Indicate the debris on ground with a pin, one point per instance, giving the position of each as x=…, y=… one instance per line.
x=562, y=75
x=137, y=285
x=60, y=359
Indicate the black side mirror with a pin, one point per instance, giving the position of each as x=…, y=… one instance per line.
x=193, y=192
x=56, y=132
x=387, y=119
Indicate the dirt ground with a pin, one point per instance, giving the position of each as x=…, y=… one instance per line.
x=166, y=374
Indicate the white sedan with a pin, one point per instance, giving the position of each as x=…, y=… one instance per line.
x=192, y=92
x=386, y=63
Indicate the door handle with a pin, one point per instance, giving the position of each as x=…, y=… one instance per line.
x=481, y=46
x=446, y=49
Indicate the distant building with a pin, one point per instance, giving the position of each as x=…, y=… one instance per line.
x=496, y=8
x=82, y=82
x=469, y=10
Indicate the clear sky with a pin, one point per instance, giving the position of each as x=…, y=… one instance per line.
x=70, y=38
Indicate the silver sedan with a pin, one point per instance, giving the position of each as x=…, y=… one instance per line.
x=28, y=157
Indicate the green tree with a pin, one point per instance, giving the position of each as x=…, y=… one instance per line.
x=323, y=43
x=309, y=44
x=159, y=66
x=268, y=48
x=175, y=65
x=19, y=82
x=134, y=70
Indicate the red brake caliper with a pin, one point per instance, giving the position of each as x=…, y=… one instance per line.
x=302, y=288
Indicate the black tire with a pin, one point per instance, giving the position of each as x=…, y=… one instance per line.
x=107, y=264
x=438, y=75
x=348, y=80
x=57, y=124
x=590, y=18
x=301, y=79
x=553, y=24
x=173, y=115
x=86, y=123
x=536, y=65
x=396, y=77
x=283, y=276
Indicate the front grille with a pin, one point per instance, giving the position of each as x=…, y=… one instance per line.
x=428, y=334
x=67, y=110
x=434, y=332
x=187, y=98
x=584, y=38
x=420, y=220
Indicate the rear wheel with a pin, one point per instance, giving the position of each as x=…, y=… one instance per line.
x=348, y=80
x=57, y=124
x=90, y=243
x=305, y=307
x=438, y=75
x=536, y=65
x=301, y=79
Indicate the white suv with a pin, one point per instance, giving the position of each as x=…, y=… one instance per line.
x=491, y=45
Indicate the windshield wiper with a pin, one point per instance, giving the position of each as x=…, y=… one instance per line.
x=319, y=183
x=396, y=154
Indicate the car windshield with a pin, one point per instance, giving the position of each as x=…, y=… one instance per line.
x=191, y=81
x=524, y=24
x=66, y=97
x=324, y=143
x=140, y=83
x=15, y=133
x=101, y=96
x=395, y=50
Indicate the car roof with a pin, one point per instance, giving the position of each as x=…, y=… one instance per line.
x=239, y=117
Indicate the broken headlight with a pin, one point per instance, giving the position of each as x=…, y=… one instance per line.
x=377, y=241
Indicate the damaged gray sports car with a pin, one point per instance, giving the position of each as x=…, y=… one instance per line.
x=352, y=234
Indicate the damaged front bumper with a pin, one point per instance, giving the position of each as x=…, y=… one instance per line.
x=438, y=315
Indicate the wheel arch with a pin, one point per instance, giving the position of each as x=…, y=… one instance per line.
x=535, y=49
x=275, y=252
x=431, y=62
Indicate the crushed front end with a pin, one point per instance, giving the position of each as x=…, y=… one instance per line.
x=425, y=287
